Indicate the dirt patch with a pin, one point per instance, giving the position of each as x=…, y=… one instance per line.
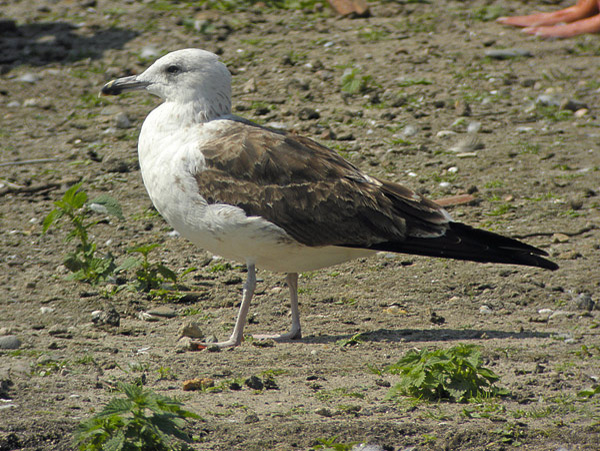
x=420, y=102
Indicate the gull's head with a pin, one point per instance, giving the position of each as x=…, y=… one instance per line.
x=183, y=76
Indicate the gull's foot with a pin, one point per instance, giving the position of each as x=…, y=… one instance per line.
x=291, y=335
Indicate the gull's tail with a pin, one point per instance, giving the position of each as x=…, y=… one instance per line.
x=462, y=242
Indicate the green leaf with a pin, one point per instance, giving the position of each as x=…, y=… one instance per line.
x=143, y=249
x=50, y=218
x=111, y=205
x=129, y=263
x=166, y=272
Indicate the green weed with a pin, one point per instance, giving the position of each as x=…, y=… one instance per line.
x=354, y=83
x=143, y=420
x=454, y=374
x=83, y=262
x=149, y=276
x=352, y=341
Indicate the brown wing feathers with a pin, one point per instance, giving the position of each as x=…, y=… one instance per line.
x=320, y=199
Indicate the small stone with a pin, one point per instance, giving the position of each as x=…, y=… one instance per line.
x=190, y=329
x=28, y=78
x=10, y=342
x=270, y=384
x=445, y=134
x=59, y=331
x=502, y=54
x=474, y=127
x=192, y=384
x=249, y=86
x=145, y=316
x=266, y=343
x=548, y=100
x=122, y=121
x=251, y=418
x=584, y=302
x=324, y=412
x=149, y=52
x=560, y=238
x=46, y=310
x=254, y=383
x=486, y=310
x=163, y=311
x=235, y=386
x=572, y=105
x=581, y=112
x=409, y=130
x=367, y=447
x=307, y=113
x=185, y=344
x=561, y=314
x=109, y=316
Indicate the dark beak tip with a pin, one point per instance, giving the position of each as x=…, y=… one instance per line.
x=110, y=89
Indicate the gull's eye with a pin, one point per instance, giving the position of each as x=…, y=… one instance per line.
x=173, y=69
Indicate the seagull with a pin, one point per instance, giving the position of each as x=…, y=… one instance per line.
x=275, y=200
x=583, y=17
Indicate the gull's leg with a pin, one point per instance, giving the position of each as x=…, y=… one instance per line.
x=295, y=332
x=589, y=25
x=583, y=9
x=240, y=322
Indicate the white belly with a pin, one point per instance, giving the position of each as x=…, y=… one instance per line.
x=224, y=230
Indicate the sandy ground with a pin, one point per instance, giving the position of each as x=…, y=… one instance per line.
x=433, y=110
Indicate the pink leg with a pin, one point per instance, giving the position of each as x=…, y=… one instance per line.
x=583, y=9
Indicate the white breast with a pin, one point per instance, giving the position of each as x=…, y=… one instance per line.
x=169, y=157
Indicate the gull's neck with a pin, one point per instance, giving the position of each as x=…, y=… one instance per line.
x=196, y=111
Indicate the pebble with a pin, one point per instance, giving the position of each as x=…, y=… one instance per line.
x=251, y=418
x=572, y=105
x=501, y=54
x=149, y=52
x=108, y=316
x=28, y=78
x=163, y=311
x=585, y=302
x=366, y=447
x=254, y=383
x=561, y=313
x=249, y=86
x=485, y=310
x=59, y=331
x=581, y=112
x=445, y=134
x=324, y=412
x=185, y=344
x=122, y=121
x=307, y=113
x=190, y=329
x=560, y=238
x=409, y=130
x=46, y=310
x=10, y=342
x=145, y=316
x=474, y=127
x=548, y=100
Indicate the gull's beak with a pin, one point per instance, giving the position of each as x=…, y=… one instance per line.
x=116, y=87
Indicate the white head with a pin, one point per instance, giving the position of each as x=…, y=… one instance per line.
x=185, y=76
